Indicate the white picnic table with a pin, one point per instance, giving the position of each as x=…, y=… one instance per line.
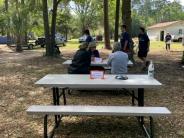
x=103, y=63
x=84, y=81
x=80, y=81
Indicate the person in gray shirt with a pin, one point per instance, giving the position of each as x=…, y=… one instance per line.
x=118, y=60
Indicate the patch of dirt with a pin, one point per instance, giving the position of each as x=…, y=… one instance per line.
x=8, y=54
x=18, y=92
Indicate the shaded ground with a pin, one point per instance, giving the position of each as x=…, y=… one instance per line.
x=18, y=92
x=8, y=54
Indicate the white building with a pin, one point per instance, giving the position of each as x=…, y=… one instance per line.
x=158, y=31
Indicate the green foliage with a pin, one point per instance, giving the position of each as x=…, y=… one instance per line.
x=73, y=18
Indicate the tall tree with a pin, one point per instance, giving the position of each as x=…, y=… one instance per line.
x=116, y=35
x=49, y=47
x=126, y=14
x=53, y=25
x=106, y=24
x=127, y=20
x=8, y=21
x=50, y=31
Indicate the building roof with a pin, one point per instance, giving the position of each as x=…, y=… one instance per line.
x=164, y=24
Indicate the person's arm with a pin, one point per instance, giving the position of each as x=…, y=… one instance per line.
x=148, y=44
x=88, y=58
x=97, y=54
x=125, y=45
x=127, y=40
x=110, y=60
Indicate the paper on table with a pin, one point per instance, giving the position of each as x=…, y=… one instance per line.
x=96, y=74
x=97, y=60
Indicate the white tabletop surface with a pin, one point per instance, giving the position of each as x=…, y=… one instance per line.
x=84, y=81
x=103, y=63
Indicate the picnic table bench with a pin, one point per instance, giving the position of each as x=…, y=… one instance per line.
x=100, y=111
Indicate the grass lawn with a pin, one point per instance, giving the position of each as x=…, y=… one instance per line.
x=18, y=92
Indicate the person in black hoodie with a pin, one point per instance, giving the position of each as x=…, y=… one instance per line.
x=81, y=61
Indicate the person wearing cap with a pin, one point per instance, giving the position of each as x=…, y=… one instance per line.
x=93, y=51
x=168, y=39
x=118, y=60
x=81, y=61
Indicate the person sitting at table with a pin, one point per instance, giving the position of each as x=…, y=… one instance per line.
x=93, y=51
x=81, y=61
x=94, y=54
x=118, y=60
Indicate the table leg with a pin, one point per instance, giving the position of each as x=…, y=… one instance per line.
x=140, y=97
x=55, y=102
x=64, y=96
x=57, y=96
x=141, y=101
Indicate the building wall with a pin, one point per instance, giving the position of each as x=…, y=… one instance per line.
x=154, y=34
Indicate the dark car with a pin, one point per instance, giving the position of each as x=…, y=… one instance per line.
x=99, y=38
x=40, y=41
x=34, y=43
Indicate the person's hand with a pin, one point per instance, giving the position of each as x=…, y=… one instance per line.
x=92, y=58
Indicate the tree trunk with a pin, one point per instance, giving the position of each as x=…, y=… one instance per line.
x=66, y=33
x=116, y=34
x=18, y=36
x=126, y=14
x=49, y=47
x=53, y=26
x=127, y=20
x=8, y=23
x=18, y=43
x=106, y=25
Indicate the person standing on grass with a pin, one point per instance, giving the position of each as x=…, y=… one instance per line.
x=88, y=36
x=118, y=60
x=125, y=40
x=144, y=44
x=168, y=39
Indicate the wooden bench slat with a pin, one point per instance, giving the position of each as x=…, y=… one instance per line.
x=97, y=110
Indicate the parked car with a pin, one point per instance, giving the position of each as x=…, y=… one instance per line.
x=60, y=39
x=99, y=38
x=83, y=38
x=34, y=43
x=41, y=42
x=177, y=38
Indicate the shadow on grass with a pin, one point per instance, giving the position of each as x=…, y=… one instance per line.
x=98, y=127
